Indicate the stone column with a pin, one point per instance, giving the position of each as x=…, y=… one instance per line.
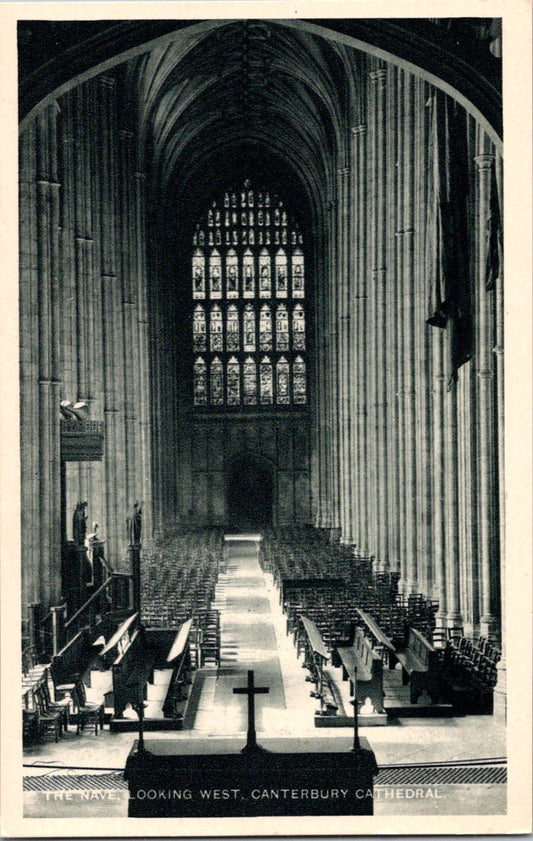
x=321, y=374
x=143, y=359
x=451, y=510
x=29, y=372
x=360, y=316
x=393, y=301
x=399, y=329
x=374, y=417
x=439, y=394
x=486, y=423
x=407, y=329
x=47, y=278
x=381, y=319
x=127, y=269
x=344, y=352
x=422, y=350
x=500, y=690
x=333, y=378
x=117, y=502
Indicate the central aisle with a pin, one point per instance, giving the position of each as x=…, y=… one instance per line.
x=248, y=641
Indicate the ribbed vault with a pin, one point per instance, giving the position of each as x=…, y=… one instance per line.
x=246, y=96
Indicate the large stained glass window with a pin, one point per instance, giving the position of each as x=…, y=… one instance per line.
x=248, y=311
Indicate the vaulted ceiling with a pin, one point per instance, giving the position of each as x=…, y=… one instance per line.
x=211, y=101
x=241, y=97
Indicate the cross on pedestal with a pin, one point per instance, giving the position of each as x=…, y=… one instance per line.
x=251, y=691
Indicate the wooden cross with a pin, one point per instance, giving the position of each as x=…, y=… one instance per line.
x=251, y=691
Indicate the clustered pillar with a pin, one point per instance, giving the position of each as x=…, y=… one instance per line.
x=409, y=463
x=83, y=317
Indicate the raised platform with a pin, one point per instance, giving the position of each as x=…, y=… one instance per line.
x=216, y=778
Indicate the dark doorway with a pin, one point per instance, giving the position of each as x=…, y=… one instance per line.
x=250, y=493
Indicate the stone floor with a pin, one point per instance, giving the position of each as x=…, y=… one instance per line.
x=253, y=637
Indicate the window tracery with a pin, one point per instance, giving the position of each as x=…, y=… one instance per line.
x=249, y=331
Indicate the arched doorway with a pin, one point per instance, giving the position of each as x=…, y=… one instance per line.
x=250, y=493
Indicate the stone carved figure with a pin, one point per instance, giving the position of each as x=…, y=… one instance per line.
x=79, y=523
x=134, y=524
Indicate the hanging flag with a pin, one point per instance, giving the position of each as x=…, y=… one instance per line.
x=447, y=234
x=494, y=234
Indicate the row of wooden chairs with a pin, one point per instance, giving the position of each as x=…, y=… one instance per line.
x=473, y=660
x=44, y=716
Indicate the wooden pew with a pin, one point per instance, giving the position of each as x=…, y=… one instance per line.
x=381, y=639
x=316, y=656
x=179, y=659
x=419, y=666
x=363, y=667
x=131, y=671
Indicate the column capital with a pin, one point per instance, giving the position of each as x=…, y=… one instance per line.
x=484, y=161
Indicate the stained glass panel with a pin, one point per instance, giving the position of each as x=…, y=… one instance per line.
x=265, y=381
x=281, y=274
x=232, y=329
x=200, y=382
x=282, y=382
x=217, y=382
x=215, y=274
x=198, y=275
x=249, y=328
x=264, y=274
x=248, y=282
x=282, y=329
x=250, y=382
x=232, y=274
x=265, y=328
x=199, y=330
x=298, y=328
x=233, y=382
x=298, y=281
x=215, y=329
x=298, y=381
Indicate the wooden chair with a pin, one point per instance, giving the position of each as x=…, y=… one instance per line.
x=89, y=714
x=61, y=706
x=48, y=721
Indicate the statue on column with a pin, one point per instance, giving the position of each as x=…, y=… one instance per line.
x=79, y=524
x=134, y=524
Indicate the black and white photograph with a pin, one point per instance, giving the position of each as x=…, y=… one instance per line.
x=268, y=437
